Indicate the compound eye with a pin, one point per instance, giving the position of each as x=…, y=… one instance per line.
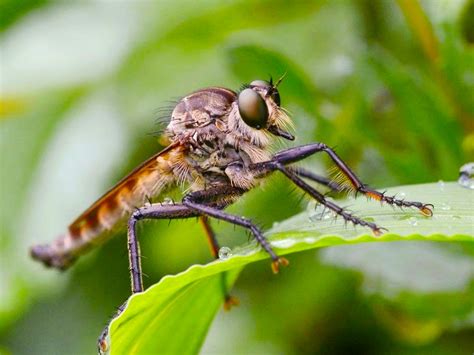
x=253, y=109
x=261, y=83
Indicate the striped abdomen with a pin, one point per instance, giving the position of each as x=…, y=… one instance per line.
x=94, y=225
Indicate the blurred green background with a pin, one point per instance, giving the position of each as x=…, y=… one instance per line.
x=389, y=83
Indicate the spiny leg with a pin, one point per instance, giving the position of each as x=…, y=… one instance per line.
x=134, y=256
x=199, y=202
x=102, y=343
x=229, y=300
x=301, y=172
x=329, y=204
x=154, y=211
x=293, y=155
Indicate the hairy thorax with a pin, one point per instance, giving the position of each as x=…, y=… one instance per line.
x=218, y=148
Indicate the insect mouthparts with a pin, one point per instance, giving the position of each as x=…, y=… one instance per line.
x=281, y=133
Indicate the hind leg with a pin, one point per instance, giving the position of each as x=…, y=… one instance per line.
x=155, y=211
x=229, y=300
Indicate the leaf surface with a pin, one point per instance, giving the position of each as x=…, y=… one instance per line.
x=173, y=316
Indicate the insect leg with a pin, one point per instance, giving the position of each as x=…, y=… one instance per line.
x=154, y=211
x=211, y=236
x=293, y=155
x=301, y=172
x=329, y=204
x=229, y=300
x=198, y=202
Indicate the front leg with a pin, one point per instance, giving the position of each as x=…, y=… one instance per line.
x=293, y=155
x=329, y=204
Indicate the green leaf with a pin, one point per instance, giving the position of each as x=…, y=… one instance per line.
x=182, y=306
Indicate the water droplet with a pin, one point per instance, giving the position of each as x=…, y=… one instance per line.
x=441, y=185
x=167, y=201
x=413, y=221
x=401, y=195
x=466, y=176
x=467, y=183
x=369, y=219
x=467, y=168
x=225, y=253
x=445, y=207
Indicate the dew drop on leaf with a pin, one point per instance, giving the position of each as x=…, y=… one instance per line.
x=225, y=253
x=466, y=176
x=413, y=221
x=441, y=185
x=445, y=207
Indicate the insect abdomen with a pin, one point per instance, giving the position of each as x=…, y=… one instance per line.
x=94, y=225
x=93, y=228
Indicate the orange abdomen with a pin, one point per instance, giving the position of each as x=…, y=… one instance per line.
x=94, y=225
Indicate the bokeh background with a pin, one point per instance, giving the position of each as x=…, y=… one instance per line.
x=389, y=83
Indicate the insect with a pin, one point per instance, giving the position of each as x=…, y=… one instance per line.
x=219, y=148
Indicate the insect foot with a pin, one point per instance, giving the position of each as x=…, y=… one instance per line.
x=276, y=264
x=230, y=301
x=378, y=231
x=427, y=210
x=102, y=342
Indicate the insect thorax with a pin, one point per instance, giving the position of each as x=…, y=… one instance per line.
x=218, y=146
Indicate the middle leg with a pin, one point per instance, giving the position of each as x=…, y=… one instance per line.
x=201, y=203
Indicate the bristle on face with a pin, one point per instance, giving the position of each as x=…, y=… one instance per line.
x=282, y=119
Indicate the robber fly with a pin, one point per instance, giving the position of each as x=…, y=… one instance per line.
x=219, y=148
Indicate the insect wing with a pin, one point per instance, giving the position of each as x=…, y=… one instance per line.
x=131, y=192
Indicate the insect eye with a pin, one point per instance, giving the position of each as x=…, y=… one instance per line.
x=253, y=109
x=261, y=83
x=272, y=90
